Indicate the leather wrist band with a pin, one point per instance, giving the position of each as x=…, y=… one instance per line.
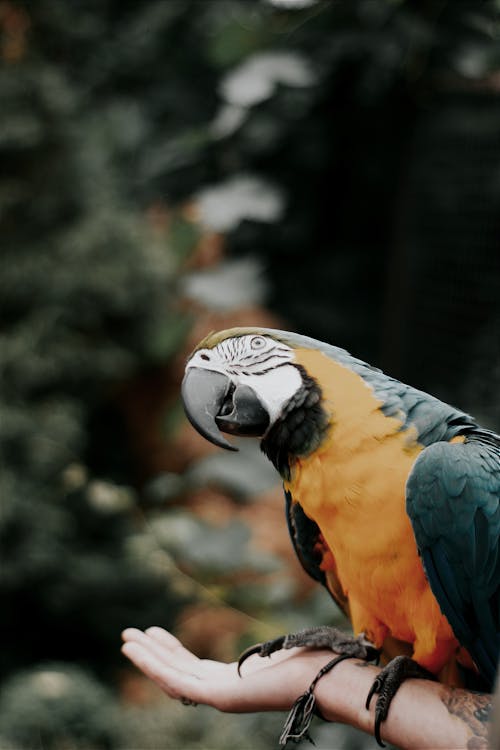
x=296, y=727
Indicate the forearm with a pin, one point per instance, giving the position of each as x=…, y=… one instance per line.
x=422, y=715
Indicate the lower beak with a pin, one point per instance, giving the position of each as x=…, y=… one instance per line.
x=213, y=403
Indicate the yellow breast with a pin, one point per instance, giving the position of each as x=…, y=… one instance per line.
x=353, y=487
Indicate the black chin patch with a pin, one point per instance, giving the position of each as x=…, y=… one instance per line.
x=300, y=429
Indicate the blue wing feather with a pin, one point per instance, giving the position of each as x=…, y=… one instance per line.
x=453, y=501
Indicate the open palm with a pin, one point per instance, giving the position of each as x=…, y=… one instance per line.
x=268, y=684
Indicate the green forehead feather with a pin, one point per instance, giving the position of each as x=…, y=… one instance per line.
x=216, y=337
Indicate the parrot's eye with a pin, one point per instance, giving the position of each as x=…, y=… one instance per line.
x=258, y=342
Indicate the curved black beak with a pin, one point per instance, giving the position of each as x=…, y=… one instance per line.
x=213, y=403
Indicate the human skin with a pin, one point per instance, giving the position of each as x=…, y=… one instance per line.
x=422, y=715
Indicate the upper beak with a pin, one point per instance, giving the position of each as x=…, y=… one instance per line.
x=212, y=401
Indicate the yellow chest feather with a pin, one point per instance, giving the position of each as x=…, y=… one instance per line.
x=353, y=487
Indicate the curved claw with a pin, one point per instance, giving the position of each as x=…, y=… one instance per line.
x=380, y=710
x=378, y=724
x=263, y=649
x=250, y=651
x=387, y=684
x=374, y=689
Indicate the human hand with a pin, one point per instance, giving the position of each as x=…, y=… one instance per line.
x=269, y=684
x=446, y=717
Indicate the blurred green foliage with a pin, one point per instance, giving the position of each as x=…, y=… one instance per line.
x=353, y=148
x=85, y=287
x=57, y=706
x=86, y=294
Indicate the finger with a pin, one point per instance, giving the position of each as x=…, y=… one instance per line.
x=173, y=682
x=165, y=654
x=182, y=658
x=171, y=650
x=163, y=636
x=131, y=634
x=178, y=654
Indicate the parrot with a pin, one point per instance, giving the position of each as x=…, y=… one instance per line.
x=391, y=499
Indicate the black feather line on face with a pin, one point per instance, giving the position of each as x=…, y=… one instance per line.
x=300, y=429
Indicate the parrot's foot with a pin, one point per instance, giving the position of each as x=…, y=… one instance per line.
x=319, y=637
x=387, y=684
x=324, y=637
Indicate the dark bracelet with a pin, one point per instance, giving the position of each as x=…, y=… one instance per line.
x=299, y=719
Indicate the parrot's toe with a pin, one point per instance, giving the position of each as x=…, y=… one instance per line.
x=317, y=637
x=387, y=684
x=262, y=649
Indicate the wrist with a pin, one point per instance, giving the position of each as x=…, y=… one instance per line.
x=341, y=694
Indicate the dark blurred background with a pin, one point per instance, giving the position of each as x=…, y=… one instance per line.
x=169, y=167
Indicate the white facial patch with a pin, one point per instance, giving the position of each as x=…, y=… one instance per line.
x=243, y=355
x=274, y=388
x=258, y=361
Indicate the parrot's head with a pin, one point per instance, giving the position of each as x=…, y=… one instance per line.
x=248, y=382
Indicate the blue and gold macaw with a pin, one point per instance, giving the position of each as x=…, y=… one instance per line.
x=392, y=499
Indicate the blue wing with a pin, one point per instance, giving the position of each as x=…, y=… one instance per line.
x=453, y=501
